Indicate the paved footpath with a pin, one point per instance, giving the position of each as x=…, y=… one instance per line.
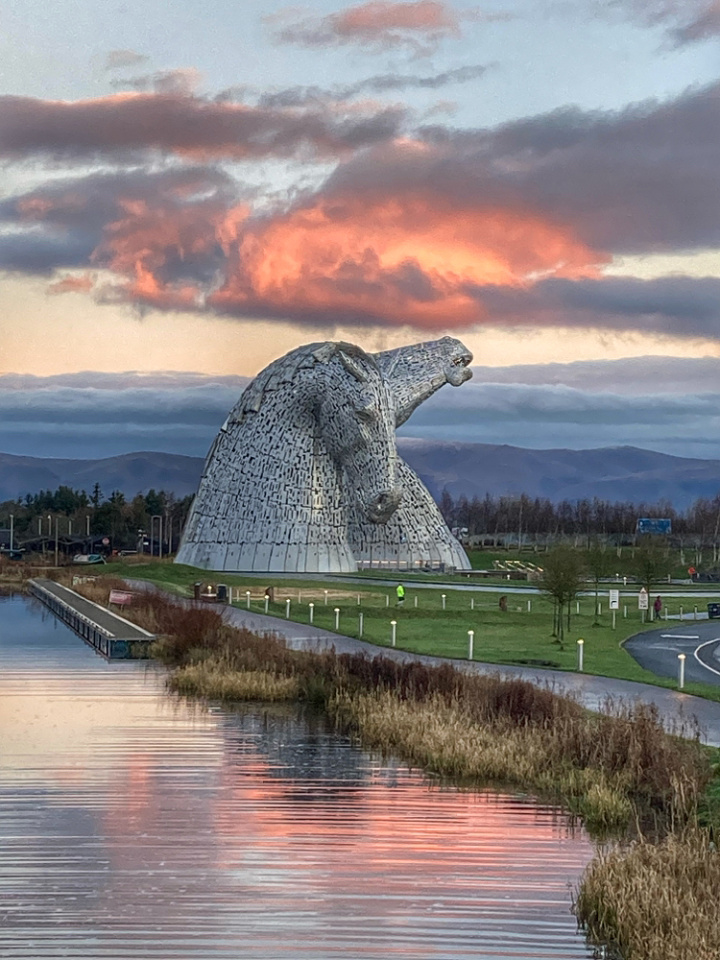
x=676, y=708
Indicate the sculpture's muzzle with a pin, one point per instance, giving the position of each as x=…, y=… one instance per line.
x=384, y=505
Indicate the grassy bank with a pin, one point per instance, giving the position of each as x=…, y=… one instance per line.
x=610, y=766
x=653, y=900
x=522, y=635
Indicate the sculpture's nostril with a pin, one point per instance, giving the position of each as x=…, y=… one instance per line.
x=384, y=505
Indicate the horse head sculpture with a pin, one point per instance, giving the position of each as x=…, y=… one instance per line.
x=308, y=448
x=356, y=420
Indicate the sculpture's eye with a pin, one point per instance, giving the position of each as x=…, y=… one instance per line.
x=461, y=361
x=368, y=414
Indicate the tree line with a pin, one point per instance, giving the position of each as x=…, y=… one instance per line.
x=124, y=522
x=528, y=519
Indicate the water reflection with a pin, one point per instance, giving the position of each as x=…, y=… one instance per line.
x=134, y=825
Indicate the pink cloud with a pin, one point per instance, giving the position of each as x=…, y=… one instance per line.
x=379, y=24
x=72, y=284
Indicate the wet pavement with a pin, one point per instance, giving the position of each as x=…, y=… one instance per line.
x=678, y=709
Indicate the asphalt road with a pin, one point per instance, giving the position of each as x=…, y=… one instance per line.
x=658, y=650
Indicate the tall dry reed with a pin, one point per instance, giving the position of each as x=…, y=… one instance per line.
x=655, y=901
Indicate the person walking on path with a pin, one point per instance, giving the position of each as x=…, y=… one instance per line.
x=400, y=591
x=657, y=607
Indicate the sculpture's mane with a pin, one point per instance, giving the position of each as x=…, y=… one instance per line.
x=283, y=374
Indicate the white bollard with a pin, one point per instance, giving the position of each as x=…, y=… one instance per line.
x=393, y=628
x=580, y=655
x=311, y=608
x=529, y=606
x=443, y=601
x=287, y=609
x=472, y=603
x=267, y=603
x=681, y=671
x=247, y=597
x=358, y=599
x=471, y=639
x=326, y=596
x=387, y=600
x=681, y=613
x=230, y=596
x=599, y=609
x=337, y=618
x=613, y=625
x=695, y=614
x=577, y=606
x=415, y=604
x=360, y=625
x=625, y=612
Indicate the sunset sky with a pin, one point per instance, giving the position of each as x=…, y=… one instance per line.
x=190, y=191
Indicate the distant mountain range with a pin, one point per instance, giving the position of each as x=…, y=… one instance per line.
x=472, y=469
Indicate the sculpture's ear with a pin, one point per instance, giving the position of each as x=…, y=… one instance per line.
x=355, y=361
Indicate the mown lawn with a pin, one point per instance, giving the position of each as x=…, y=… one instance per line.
x=522, y=635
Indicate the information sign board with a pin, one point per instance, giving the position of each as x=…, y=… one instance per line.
x=614, y=599
x=654, y=525
x=643, y=599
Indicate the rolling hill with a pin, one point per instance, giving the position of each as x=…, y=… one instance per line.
x=610, y=473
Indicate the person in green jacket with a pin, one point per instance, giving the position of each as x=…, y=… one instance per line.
x=400, y=594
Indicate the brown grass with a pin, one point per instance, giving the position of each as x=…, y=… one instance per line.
x=655, y=901
x=213, y=679
x=461, y=725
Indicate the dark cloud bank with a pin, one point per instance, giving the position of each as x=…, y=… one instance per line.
x=430, y=227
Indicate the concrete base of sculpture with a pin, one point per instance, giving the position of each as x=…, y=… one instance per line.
x=304, y=476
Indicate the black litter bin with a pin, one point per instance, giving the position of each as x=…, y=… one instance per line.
x=714, y=611
x=222, y=593
x=197, y=589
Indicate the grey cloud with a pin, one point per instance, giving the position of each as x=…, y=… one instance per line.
x=645, y=178
x=686, y=21
x=181, y=82
x=382, y=83
x=125, y=127
x=546, y=417
x=119, y=59
x=675, y=306
x=626, y=376
x=62, y=224
x=40, y=252
x=704, y=26
x=90, y=414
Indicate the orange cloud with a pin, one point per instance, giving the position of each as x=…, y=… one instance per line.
x=381, y=18
x=72, y=284
x=402, y=258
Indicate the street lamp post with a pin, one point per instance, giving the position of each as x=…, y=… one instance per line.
x=153, y=518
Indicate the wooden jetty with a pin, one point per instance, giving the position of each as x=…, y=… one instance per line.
x=110, y=634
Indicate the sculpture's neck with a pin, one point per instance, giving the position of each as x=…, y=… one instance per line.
x=413, y=380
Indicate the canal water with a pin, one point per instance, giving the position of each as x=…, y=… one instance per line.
x=134, y=825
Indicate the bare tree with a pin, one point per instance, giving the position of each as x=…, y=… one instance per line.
x=563, y=571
